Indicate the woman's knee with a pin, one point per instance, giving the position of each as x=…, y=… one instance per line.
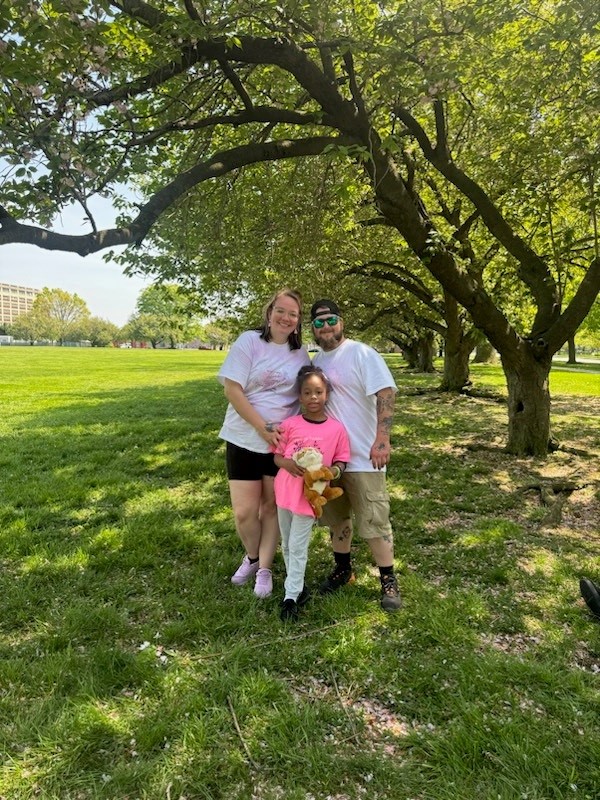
x=268, y=508
x=245, y=513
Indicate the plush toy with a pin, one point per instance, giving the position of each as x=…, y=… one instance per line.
x=316, y=490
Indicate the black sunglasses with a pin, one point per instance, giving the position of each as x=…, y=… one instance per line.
x=318, y=323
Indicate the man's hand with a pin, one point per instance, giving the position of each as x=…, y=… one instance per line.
x=380, y=452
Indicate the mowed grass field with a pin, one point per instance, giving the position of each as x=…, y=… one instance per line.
x=130, y=667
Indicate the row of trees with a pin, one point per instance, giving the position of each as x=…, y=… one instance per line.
x=435, y=164
x=163, y=316
x=59, y=316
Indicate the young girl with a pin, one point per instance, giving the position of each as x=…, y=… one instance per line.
x=311, y=428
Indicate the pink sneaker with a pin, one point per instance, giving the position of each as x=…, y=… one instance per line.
x=244, y=572
x=264, y=583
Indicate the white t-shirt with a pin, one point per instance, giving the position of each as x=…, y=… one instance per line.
x=357, y=372
x=267, y=373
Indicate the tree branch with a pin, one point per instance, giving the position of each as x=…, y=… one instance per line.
x=193, y=11
x=159, y=76
x=237, y=84
x=533, y=270
x=354, y=90
x=577, y=310
x=372, y=221
x=406, y=280
x=256, y=114
x=144, y=13
x=12, y=232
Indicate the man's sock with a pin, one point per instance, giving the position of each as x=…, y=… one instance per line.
x=253, y=560
x=383, y=571
x=342, y=561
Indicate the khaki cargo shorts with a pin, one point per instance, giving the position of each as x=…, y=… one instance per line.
x=366, y=499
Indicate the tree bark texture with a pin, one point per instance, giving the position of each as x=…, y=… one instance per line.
x=484, y=354
x=425, y=353
x=418, y=352
x=458, y=347
x=528, y=404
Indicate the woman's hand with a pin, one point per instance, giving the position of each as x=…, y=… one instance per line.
x=271, y=433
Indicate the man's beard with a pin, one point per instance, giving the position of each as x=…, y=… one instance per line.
x=332, y=342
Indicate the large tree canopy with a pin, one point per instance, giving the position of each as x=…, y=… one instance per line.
x=482, y=109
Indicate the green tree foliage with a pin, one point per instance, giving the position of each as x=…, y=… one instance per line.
x=28, y=327
x=164, y=314
x=56, y=316
x=590, y=332
x=470, y=124
x=217, y=335
x=101, y=332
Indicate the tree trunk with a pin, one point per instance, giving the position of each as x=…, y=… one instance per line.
x=456, y=369
x=409, y=356
x=572, y=359
x=484, y=354
x=458, y=347
x=425, y=352
x=418, y=352
x=528, y=404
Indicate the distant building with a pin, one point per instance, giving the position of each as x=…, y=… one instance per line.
x=15, y=300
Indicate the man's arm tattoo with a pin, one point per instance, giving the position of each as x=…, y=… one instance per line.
x=385, y=411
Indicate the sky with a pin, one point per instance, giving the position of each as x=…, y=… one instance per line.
x=107, y=292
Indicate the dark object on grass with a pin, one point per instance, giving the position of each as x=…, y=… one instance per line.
x=591, y=594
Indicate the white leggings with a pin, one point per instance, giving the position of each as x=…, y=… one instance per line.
x=295, y=538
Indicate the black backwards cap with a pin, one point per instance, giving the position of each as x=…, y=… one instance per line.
x=322, y=306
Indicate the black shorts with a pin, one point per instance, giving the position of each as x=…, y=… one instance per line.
x=244, y=465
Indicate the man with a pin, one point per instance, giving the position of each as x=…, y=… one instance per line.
x=362, y=399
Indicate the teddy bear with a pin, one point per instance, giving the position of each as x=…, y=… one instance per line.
x=316, y=490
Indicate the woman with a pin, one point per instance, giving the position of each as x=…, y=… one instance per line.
x=259, y=378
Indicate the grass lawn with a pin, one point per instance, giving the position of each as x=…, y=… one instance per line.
x=130, y=667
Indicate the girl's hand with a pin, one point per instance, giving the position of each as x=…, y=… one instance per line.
x=290, y=465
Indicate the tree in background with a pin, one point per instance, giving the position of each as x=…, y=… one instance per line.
x=484, y=107
x=28, y=327
x=217, y=335
x=589, y=333
x=56, y=316
x=164, y=314
x=101, y=332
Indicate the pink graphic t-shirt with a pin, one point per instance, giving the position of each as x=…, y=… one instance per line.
x=329, y=437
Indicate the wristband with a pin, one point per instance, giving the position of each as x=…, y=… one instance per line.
x=337, y=472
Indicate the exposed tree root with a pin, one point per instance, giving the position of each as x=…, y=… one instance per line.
x=467, y=391
x=553, y=495
x=575, y=451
